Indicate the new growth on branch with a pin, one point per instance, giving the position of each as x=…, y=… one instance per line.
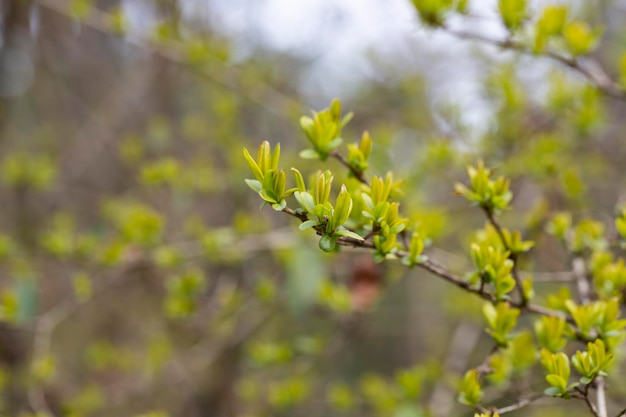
x=366, y=214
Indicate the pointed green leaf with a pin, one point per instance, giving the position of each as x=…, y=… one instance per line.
x=264, y=158
x=254, y=185
x=310, y=154
x=365, y=145
x=308, y=224
x=335, y=109
x=268, y=196
x=256, y=171
x=348, y=233
x=306, y=201
x=299, y=180
x=275, y=157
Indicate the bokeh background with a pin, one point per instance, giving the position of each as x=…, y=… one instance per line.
x=139, y=277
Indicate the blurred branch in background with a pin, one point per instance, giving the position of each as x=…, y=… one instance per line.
x=180, y=53
x=139, y=278
x=586, y=67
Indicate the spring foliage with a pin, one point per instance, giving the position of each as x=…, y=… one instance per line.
x=381, y=228
x=136, y=279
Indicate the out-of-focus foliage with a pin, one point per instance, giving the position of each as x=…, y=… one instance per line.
x=139, y=278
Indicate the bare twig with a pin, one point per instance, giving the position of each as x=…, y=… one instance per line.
x=584, y=395
x=521, y=403
x=357, y=174
x=496, y=225
x=551, y=277
x=545, y=311
x=621, y=413
x=587, y=67
x=585, y=293
x=464, y=339
x=196, y=359
x=580, y=276
x=442, y=272
x=301, y=216
x=600, y=396
x=204, y=354
x=262, y=94
x=47, y=323
x=484, y=368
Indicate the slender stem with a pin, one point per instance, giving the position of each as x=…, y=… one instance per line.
x=494, y=222
x=580, y=276
x=588, y=68
x=484, y=368
x=262, y=94
x=532, y=308
x=584, y=395
x=450, y=277
x=521, y=403
x=585, y=293
x=375, y=230
x=464, y=339
x=435, y=268
x=496, y=225
x=301, y=216
x=357, y=174
x=600, y=397
x=551, y=277
x=46, y=324
x=442, y=272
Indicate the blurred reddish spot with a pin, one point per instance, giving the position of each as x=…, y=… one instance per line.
x=365, y=284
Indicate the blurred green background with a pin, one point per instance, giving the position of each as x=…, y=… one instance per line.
x=137, y=274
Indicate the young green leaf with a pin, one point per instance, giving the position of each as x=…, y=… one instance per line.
x=513, y=13
x=470, y=391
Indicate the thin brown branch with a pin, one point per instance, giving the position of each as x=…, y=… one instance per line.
x=484, y=368
x=551, y=277
x=585, y=293
x=357, y=174
x=46, y=324
x=442, y=272
x=584, y=395
x=450, y=277
x=181, y=369
x=463, y=341
x=601, y=397
x=301, y=216
x=621, y=413
x=348, y=241
x=521, y=403
x=587, y=67
x=261, y=94
x=496, y=225
x=429, y=265
x=580, y=276
x=370, y=234
x=437, y=269
x=532, y=308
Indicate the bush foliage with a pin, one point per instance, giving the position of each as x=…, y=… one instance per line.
x=455, y=269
